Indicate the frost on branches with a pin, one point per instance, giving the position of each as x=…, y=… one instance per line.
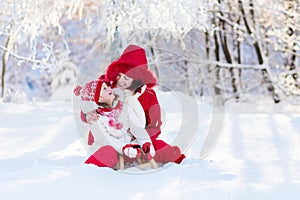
x=225, y=49
x=31, y=36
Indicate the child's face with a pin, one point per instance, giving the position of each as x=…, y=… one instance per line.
x=106, y=94
x=123, y=81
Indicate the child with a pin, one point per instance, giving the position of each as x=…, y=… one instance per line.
x=119, y=128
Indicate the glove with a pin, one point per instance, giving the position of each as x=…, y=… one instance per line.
x=132, y=150
x=148, y=149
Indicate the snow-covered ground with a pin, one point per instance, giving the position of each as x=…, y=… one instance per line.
x=256, y=157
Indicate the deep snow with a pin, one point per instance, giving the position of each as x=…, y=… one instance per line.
x=256, y=157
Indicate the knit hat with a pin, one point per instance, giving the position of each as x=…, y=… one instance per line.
x=132, y=63
x=98, y=90
x=91, y=90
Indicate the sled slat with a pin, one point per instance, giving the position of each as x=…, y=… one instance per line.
x=153, y=163
x=121, y=160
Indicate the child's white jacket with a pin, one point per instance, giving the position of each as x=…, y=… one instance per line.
x=122, y=125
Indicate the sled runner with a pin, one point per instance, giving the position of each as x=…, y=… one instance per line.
x=140, y=165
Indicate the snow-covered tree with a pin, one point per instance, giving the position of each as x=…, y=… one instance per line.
x=241, y=44
x=64, y=78
x=32, y=34
x=231, y=47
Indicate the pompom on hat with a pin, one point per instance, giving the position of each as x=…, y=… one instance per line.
x=133, y=63
x=91, y=90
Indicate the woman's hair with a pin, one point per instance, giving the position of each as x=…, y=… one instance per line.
x=135, y=85
x=103, y=105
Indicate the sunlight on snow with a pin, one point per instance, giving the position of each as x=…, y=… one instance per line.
x=74, y=149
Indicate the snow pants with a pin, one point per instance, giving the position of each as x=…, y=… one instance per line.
x=166, y=153
x=105, y=156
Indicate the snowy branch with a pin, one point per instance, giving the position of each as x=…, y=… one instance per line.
x=233, y=24
x=20, y=57
x=228, y=65
x=42, y=62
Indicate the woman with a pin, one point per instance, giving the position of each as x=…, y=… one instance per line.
x=130, y=73
x=119, y=127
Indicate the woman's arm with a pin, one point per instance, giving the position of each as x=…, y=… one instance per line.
x=152, y=111
x=143, y=139
x=140, y=133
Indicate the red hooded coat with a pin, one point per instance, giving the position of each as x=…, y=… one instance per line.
x=133, y=63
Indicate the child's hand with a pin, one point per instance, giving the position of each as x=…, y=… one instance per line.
x=131, y=150
x=91, y=117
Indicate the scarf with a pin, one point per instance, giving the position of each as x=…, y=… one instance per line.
x=113, y=115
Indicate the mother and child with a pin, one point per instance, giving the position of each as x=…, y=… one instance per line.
x=126, y=116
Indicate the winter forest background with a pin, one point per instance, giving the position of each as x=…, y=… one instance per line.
x=210, y=56
x=238, y=49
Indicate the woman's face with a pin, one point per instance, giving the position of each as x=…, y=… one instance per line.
x=106, y=94
x=123, y=81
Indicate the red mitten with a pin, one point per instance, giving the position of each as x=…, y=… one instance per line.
x=132, y=150
x=90, y=138
x=83, y=117
x=148, y=150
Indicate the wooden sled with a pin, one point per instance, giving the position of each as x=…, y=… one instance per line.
x=141, y=165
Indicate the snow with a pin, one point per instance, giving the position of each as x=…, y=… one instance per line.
x=256, y=157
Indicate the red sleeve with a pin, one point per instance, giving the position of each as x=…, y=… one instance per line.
x=151, y=108
x=90, y=135
x=90, y=138
x=83, y=117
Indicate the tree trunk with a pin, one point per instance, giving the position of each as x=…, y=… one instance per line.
x=217, y=55
x=207, y=44
x=155, y=63
x=265, y=74
x=228, y=58
x=227, y=54
x=239, y=58
x=154, y=58
x=291, y=32
x=4, y=56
